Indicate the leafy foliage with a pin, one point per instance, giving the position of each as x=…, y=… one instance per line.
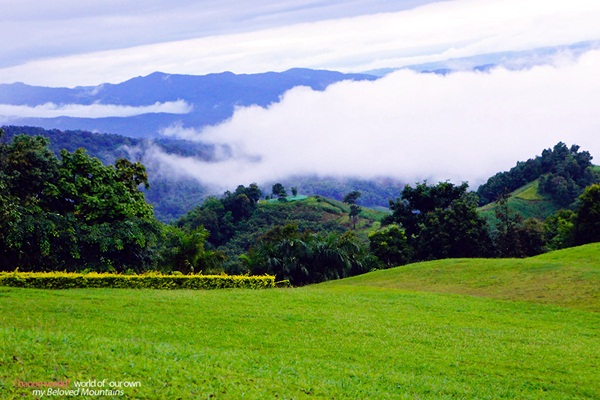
x=390, y=246
x=559, y=230
x=306, y=257
x=440, y=221
x=563, y=172
x=587, y=222
x=355, y=210
x=72, y=213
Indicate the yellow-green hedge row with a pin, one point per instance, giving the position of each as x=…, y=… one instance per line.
x=64, y=280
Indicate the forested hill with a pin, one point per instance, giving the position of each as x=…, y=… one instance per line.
x=172, y=196
x=106, y=146
x=209, y=99
x=562, y=173
x=73, y=213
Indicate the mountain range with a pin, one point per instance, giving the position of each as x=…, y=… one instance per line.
x=207, y=99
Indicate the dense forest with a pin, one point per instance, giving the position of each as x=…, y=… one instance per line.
x=172, y=195
x=73, y=212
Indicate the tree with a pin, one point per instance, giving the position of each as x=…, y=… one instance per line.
x=355, y=209
x=587, y=222
x=454, y=232
x=515, y=237
x=440, y=221
x=278, y=190
x=253, y=192
x=414, y=203
x=390, y=246
x=294, y=191
x=507, y=240
x=74, y=212
x=185, y=251
x=352, y=197
x=559, y=229
x=563, y=173
x=306, y=257
x=532, y=237
x=221, y=215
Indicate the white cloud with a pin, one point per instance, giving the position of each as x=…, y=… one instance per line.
x=34, y=29
x=96, y=110
x=432, y=32
x=410, y=126
x=178, y=131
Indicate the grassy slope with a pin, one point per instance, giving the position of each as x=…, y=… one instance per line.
x=527, y=201
x=569, y=277
x=365, y=337
x=331, y=211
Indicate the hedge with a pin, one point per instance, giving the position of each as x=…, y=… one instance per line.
x=65, y=280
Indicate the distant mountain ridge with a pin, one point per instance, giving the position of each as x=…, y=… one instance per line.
x=212, y=98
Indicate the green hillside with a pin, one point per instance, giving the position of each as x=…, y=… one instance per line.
x=438, y=330
x=568, y=278
x=310, y=213
x=527, y=201
x=336, y=212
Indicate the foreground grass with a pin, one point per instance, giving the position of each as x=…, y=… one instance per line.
x=325, y=341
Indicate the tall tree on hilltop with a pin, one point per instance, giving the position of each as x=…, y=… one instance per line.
x=279, y=190
x=355, y=210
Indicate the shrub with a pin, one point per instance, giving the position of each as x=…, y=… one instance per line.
x=64, y=280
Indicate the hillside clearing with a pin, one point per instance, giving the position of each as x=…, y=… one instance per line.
x=526, y=201
x=568, y=278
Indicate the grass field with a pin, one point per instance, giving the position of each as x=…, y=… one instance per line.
x=460, y=329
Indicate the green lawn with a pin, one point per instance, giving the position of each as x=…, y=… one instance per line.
x=369, y=337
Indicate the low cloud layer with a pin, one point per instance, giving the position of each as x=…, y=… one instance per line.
x=96, y=110
x=409, y=126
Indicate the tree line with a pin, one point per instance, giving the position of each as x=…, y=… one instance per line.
x=71, y=212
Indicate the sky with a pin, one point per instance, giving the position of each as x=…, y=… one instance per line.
x=462, y=126
x=82, y=42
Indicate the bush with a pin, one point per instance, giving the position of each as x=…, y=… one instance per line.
x=64, y=280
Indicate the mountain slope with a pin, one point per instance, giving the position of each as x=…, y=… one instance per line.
x=527, y=201
x=212, y=98
x=566, y=278
x=315, y=214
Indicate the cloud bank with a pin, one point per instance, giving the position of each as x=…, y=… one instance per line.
x=96, y=110
x=433, y=32
x=34, y=29
x=409, y=126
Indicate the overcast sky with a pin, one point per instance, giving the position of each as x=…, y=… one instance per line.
x=73, y=42
x=462, y=126
x=82, y=42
